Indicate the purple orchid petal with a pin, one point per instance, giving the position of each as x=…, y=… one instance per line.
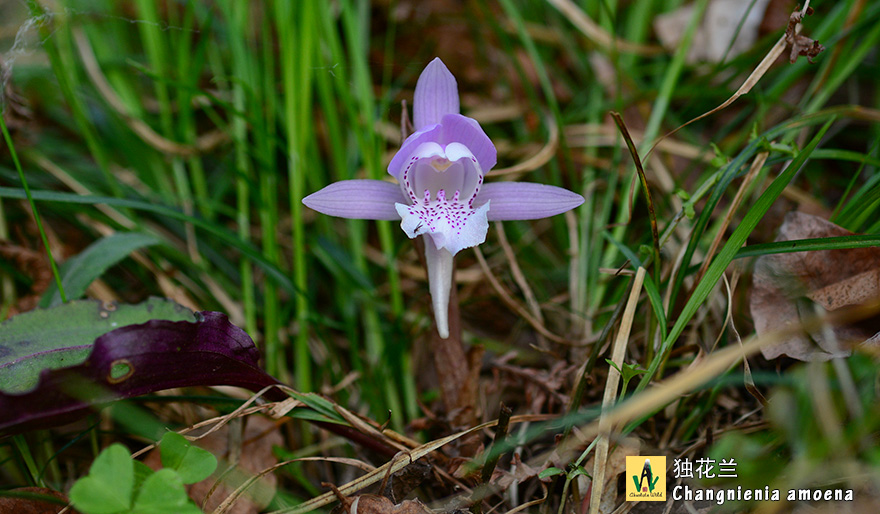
x=429, y=134
x=464, y=130
x=357, y=199
x=525, y=200
x=454, y=128
x=436, y=95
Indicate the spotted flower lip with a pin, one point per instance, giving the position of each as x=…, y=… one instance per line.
x=440, y=193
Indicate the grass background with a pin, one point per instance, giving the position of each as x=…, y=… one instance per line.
x=201, y=125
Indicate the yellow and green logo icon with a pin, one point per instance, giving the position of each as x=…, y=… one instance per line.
x=647, y=478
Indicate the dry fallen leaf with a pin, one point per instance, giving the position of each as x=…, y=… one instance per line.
x=800, y=44
x=12, y=505
x=373, y=504
x=785, y=284
x=719, y=26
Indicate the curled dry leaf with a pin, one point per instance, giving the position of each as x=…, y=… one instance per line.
x=800, y=44
x=786, y=283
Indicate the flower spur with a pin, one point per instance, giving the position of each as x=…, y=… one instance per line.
x=440, y=192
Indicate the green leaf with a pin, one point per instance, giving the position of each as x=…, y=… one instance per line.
x=720, y=158
x=81, y=270
x=550, y=472
x=810, y=245
x=632, y=370
x=141, y=473
x=320, y=405
x=578, y=471
x=107, y=488
x=613, y=365
x=192, y=463
x=63, y=336
x=163, y=493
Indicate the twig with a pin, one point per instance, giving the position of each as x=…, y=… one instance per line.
x=500, y=436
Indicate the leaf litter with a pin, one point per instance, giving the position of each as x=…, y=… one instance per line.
x=788, y=287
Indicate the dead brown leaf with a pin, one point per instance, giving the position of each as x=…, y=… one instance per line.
x=728, y=28
x=32, y=263
x=784, y=284
x=800, y=44
x=13, y=505
x=373, y=504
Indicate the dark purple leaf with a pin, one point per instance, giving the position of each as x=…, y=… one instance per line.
x=130, y=361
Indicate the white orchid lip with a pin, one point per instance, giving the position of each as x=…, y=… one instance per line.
x=441, y=185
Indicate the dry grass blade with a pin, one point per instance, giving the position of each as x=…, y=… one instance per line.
x=756, y=166
x=513, y=304
x=597, y=34
x=749, y=381
x=519, y=277
x=396, y=464
x=650, y=400
x=227, y=502
x=596, y=134
x=610, y=396
x=536, y=161
x=359, y=424
x=746, y=86
x=340, y=460
x=532, y=503
x=220, y=421
x=144, y=131
x=379, y=473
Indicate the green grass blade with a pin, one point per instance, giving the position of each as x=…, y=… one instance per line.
x=729, y=250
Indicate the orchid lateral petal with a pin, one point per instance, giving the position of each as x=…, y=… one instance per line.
x=455, y=128
x=464, y=130
x=436, y=95
x=429, y=134
x=526, y=200
x=439, y=263
x=357, y=199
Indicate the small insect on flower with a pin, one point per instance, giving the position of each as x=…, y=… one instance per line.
x=445, y=160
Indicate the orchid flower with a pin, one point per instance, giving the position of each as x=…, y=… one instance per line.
x=440, y=192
